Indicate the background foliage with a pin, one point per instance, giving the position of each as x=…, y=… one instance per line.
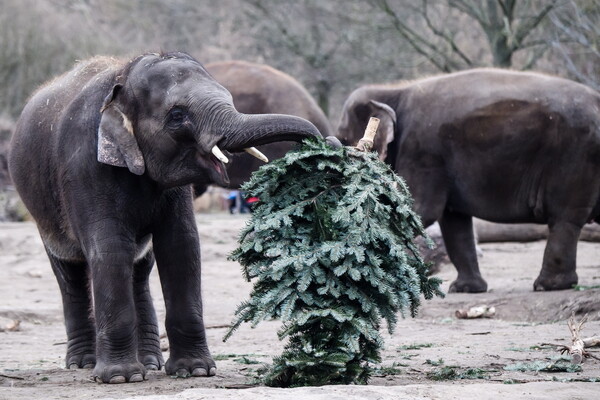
x=331, y=46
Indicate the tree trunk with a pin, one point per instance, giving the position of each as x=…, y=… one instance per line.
x=323, y=94
x=502, y=53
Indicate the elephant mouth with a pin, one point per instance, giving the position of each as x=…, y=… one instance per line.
x=216, y=167
x=222, y=178
x=215, y=162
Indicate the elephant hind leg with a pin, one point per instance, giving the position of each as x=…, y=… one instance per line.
x=73, y=281
x=149, y=352
x=457, y=231
x=559, y=264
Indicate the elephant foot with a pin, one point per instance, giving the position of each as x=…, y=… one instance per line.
x=81, y=350
x=558, y=281
x=186, y=367
x=119, y=373
x=85, y=360
x=152, y=361
x=149, y=352
x=473, y=285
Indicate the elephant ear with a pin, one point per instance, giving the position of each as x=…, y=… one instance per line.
x=387, y=121
x=117, y=144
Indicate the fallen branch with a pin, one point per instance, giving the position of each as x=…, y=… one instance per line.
x=12, y=377
x=9, y=325
x=577, y=350
x=476, y=312
x=593, y=341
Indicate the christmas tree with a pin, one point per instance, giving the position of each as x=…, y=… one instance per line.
x=330, y=248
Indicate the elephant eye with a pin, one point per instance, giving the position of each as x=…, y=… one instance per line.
x=176, y=117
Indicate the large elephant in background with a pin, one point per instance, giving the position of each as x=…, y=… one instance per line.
x=260, y=89
x=103, y=158
x=499, y=145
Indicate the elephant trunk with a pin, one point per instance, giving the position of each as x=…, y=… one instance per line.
x=248, y=130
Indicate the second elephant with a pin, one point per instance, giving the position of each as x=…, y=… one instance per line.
x=499, y=145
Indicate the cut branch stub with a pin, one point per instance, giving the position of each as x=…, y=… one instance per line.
x=366, y=143
x=577, y=350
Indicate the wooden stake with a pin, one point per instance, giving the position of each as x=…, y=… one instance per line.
x=577, y=349
x=366, y=143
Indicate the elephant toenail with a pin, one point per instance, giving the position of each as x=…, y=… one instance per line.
x=136, y=378
x=182, y=373
x=151, y=367
x=213, y=371
x=88, y=366
x=117, y=379
x=199, y=372
x=73, y=366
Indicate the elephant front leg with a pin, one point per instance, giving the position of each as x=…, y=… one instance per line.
x=149, y=352
x=115, y=314
x=72, y=280
x=177, y=252
x=559, y=264
x=457, y=231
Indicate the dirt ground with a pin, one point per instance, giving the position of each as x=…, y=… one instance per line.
x=433, y=356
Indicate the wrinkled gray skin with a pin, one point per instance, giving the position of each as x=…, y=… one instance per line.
x=260, y=89
x=103, y=158
x=498, y=145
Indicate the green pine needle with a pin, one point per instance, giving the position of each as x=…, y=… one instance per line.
x=330, y=248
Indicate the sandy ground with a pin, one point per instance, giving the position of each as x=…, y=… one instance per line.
x=495, y=352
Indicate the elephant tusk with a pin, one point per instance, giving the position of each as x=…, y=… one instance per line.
x=219, y=154
x=253, y=151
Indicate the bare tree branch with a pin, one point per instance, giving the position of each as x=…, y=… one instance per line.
x=537, y=52
x=447, y=38
x=523, y=30
x=470, y=8
x=576, y=40
x=420, y=43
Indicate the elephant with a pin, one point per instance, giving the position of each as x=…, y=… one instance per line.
x=261, y=89
x=104, y=157
x=500, y=145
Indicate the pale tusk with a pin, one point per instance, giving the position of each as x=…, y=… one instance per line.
x=253, y=151
x=219, y=154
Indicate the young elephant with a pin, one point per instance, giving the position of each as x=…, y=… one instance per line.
x=499, y=145
x=103, y=158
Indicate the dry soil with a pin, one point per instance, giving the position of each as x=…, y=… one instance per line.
x=484, y=358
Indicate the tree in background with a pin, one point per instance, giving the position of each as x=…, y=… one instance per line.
x=576, y=40
x=36, y=42
x=327, y=42
x=330, y=46
x=335, y=46
x=508, y=26
x=40, y=39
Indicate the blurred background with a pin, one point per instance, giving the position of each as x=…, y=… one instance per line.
x=330, y=46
